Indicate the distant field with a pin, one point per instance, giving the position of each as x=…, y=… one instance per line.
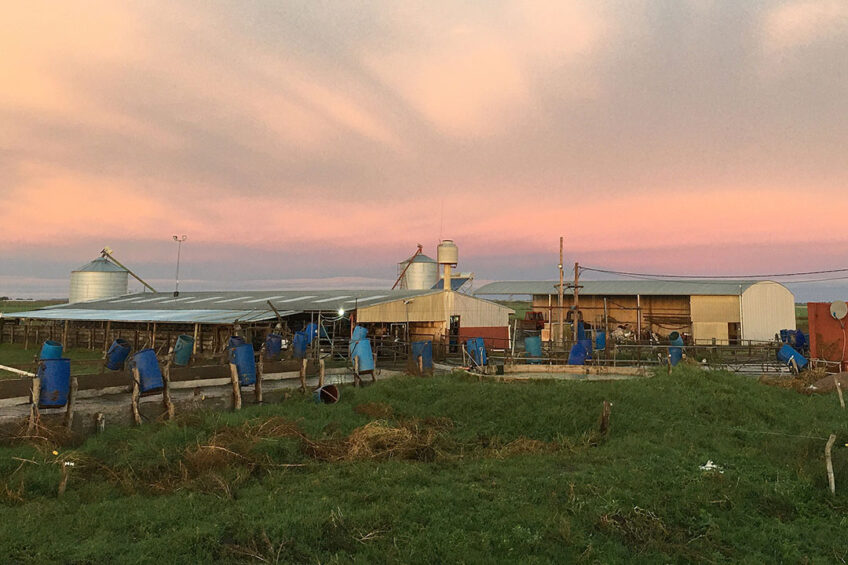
x=520, y=307
x=801, y=321
x=16, y=355
x=9, y=306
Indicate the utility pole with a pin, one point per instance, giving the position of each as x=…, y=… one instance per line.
x=179, y=240
x=576, y=297
x=560, y=333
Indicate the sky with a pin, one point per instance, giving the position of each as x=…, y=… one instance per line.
x=315, y=143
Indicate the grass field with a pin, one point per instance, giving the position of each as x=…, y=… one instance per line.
x=16, y=355
x=9, y=306
x=447, y=469
x=801, y=320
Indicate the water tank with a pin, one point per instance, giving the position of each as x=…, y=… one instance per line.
x=422, y=273
x=448, y=253
x=99, y=279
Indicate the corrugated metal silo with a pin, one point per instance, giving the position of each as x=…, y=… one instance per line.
x=422, y=274
x=99, y=279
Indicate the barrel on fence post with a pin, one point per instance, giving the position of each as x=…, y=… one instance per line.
x=424, y=350
x=117, y=354
x=243, y=358
x=786, y=354
x=533, y=349
x=327, y=394
x=149, y=372
x=183, y=350
x=51, y=350
x=55, y=377
x=234, y=341
x=675, y=352
x=273, y=345
x=577, y=355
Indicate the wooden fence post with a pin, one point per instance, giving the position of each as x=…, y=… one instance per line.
x=136, y=382
x=166, y=386
x=236, y=390
x=829, y=461
x=303, y=375
x=33, y=414
x=72, y=398
x=257, y=388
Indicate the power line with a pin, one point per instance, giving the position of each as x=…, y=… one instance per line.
x=758, y=276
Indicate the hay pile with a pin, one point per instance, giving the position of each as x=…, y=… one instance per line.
x=803, y=382
x=378, y=440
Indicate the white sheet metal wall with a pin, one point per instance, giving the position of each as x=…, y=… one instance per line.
x=767, y=308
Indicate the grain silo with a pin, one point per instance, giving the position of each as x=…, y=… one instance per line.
x=418, y=273
x=99, y=279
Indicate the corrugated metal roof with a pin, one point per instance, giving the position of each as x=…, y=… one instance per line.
x=217, y=307
x=100, y=265
x=421, y=258
x=172, y=316
x=623, y=288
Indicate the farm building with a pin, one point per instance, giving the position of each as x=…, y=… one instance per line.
x=721, y=312
x=157, y=318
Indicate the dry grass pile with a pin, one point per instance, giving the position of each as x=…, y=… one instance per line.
x=379, y=440
x=802, y=382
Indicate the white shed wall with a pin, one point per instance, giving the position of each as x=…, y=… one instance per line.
x=767, y=308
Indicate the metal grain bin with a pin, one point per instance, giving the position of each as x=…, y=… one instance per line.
x=99, y=279
x=422, y=273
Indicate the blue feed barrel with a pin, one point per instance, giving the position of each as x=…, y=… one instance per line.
x=476, y=348
x=273, y=345
x=327, y=394
x=299, y=345
x=675, y=354
x=51, y=350
x=311, y=331
x=533, y=349
x=601, y=340
x=117, y=354
x=577, y=355
x=362, y=351
x=243, y=358
x=423, y=349
x=149, y=372
x=55, y=375
x=786, y=353
x=675, y=339
x=183, y=350
x=234, y=341
x=587, y=345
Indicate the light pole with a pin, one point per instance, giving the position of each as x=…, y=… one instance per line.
x=179, y=239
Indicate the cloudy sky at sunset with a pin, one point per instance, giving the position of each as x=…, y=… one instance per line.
x=316, y=143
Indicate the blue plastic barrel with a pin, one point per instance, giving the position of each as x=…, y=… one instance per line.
x=299, y=345
x=273, y=345
x=311, y=331
x=327, y=394
x=675, y=354
x=676, y=339
x=577, y=355
x=423, y=349
x=149, y=372
x=533, y=349
x=587, y=345
x=55, y=375
x=787, y=353
x=117, y=354
x=362, y=351
x=784, y=336
x=601, y=340
x=476, y=348
x=183, y=350
x=800, y=340
x=243, y=358
x=234, y=341
x=581, y=331
x=51, y=350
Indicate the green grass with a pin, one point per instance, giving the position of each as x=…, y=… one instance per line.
x=139, y=495
x=801, y=320
x=520, y=307
x=9, y=306
x=14, y=354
